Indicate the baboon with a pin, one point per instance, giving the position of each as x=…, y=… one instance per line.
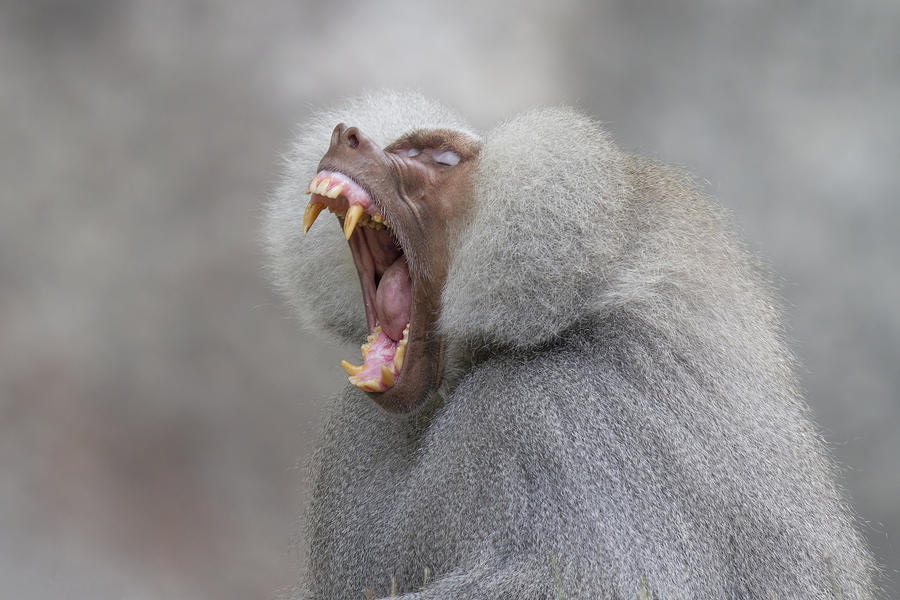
x=574, y=382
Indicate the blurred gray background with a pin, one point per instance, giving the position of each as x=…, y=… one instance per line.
x=156, y=400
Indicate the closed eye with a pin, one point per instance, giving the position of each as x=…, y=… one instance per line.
x=448, y=158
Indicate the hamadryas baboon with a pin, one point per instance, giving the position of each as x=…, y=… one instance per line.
x=573, y=381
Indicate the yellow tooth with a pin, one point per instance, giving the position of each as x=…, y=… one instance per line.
x=365, y=349
x=312, y=211
x=335, y=191
x=398, y=356
x=368, y=386
x=351, y=369
x=352, y=218
x=377, y=218
x=386, y=376
x=323, y=186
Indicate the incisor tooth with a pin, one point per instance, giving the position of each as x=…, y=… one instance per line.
x=365, y=349
x=386, y=376
x=352, y=218
x=351, y=369
x=368, y=386
x=335, y=191
x=312, y=212
x=312, y=185
x=323, y=186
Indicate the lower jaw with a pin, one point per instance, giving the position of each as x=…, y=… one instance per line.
x=420, y=376
x=382, y=361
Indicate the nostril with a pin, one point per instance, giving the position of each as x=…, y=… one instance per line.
x=352, y=140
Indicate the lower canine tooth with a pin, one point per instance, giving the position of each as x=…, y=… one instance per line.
x=398, y=356
x=386, y=376
x=351, y=369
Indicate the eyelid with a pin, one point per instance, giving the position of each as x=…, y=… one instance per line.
x=412, y=152
x=447, y=157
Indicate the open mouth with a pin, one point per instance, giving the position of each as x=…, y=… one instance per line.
x=383, y=275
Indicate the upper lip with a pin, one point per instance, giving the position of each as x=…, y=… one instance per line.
x=343, y=195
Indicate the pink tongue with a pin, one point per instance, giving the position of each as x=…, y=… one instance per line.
x=393, y=299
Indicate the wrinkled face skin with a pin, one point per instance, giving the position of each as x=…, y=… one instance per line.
x=399, y=208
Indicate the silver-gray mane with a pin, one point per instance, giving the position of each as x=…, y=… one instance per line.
x=623, y=410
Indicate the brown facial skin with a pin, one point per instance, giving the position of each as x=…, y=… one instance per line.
x=424, y=202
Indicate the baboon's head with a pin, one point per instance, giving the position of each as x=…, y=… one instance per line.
x=444, y=243
x=398, y=208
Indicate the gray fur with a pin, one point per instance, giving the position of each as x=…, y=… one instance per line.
x=622, y=409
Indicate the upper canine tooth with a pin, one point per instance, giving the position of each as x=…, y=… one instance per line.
x=312, y=211
x=352, y=218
